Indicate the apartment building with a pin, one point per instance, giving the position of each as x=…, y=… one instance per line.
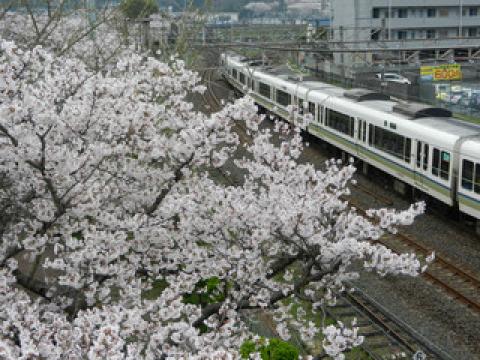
x=396, y=24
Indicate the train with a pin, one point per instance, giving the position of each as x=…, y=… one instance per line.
x=418, y=144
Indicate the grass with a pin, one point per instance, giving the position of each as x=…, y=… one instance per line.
x=468, y=118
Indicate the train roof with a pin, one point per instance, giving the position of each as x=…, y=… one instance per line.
x=472, y=148
x=450, y=125
x=436, y=124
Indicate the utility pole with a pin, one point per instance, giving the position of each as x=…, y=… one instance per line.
x=460, y=26
x=389, y=19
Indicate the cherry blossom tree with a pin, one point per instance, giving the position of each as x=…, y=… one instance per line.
x=84, y=30
x=112, y=172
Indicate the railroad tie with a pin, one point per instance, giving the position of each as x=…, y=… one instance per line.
x=344, y=311
x=371, y=332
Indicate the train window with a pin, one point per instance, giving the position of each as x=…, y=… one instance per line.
x=445, y=165
x=419, y=154
x=234, y=73
x=362, y=130
x=435, y=161
x=242, y=78
x=370, y=134
x=311, y=108
x=301, y=107
x=441, y=164
x=426, y=151
x=340, y=122
x=422, y=155
x=407, y=150
x=283, y=98
x=467, y=175
x=264, y=89
x=477, y=179
x=390, y=142
x=320, y=114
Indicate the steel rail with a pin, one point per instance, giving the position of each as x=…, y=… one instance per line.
x=367, y=303
x=462, y=275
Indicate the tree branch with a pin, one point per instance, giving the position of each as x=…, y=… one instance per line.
x=212, y=309
x=178, y=176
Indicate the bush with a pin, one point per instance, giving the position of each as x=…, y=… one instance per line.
x=275, y=350
x=133, y=9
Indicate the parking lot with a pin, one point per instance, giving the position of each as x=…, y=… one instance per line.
x=459, y=96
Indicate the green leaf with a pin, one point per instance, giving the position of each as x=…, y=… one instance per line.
x=157, y=288
x=275, y=350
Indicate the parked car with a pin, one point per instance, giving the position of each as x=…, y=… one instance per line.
x=393, y=77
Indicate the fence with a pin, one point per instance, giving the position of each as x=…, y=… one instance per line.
x=462, y=98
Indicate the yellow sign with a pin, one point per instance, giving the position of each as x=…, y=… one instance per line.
x=441, y=72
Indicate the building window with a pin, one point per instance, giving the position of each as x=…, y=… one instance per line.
x=376, y=13
x=473, y=11
x=431, y=12
x=340, y=122
x=402, y=13
x=431, y=33
x=264, y=89
x=443, y=34
x=402, y=35
x=443, y=12
x=283, y=98
x=472, y=32
x=374, y=34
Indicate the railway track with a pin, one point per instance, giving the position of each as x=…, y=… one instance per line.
x=212, y=102
x=385, y=334
x=455, y=281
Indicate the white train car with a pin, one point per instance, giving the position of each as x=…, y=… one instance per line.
x=469, y=185
x=417, y=144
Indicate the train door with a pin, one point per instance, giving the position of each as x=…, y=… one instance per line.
x=361, y=131
x=421, y=162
